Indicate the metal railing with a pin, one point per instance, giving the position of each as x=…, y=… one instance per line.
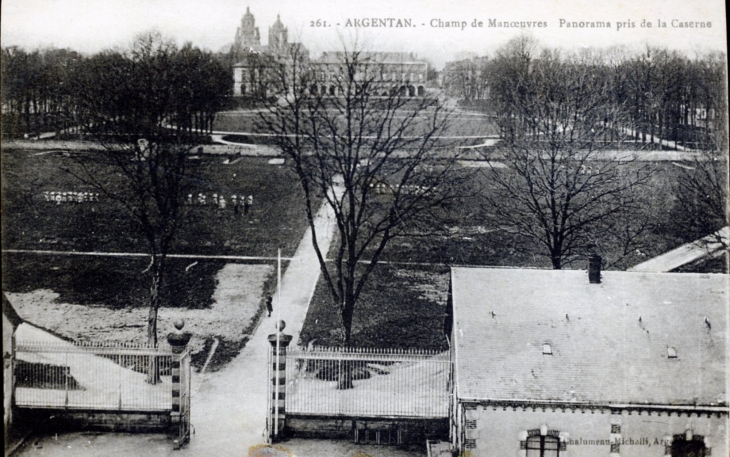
x=361, y=382
x=103, y=376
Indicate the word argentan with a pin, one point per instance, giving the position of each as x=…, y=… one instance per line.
x=378, y=22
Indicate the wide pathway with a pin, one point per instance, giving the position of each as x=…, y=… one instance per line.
x=229, y=407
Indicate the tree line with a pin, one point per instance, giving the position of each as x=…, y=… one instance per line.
x=664, y=94
x=154, y=84
x=565, y=120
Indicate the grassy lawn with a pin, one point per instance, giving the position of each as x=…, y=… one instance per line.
x=400, y=307
x=466, y=238
x=104, y=298
x=276, y=218
x=466, y=124
x=110, y=282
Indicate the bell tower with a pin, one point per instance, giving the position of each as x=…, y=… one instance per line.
x=247, y=34
x=278, y=35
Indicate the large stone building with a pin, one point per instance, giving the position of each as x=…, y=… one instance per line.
x=400, y=72
x=254, y=60
x=558, y=363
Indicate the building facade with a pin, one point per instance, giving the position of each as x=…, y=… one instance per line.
x=256, y=65
x=564, y=363
x=391, y=71
x=254, y=61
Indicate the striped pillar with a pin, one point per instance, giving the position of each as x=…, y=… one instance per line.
x=278, y=381
x=178, y=341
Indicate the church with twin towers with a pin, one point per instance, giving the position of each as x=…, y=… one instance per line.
x=402, y=70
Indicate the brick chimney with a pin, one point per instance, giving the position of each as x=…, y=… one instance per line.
x=594, y=269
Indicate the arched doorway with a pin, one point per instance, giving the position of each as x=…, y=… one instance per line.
x=692, y=447
x=543, y=446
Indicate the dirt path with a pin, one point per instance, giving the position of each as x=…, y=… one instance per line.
x=229, y=407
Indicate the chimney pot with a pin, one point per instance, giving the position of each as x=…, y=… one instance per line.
x=594, y=269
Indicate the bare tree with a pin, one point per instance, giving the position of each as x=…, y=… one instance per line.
x=701, y=207
x=562, y=191
x=702, y=188
x=358, y=141
x=130, y=106
x=467, y=79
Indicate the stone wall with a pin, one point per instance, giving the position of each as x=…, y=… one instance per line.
x=500, y=431
x=116, y=421
x=367, y=430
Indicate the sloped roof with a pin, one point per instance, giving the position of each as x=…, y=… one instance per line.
x=601, y=351
x=707, y=247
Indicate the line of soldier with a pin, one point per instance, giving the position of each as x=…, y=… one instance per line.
x=75, y=197
x=220, y=202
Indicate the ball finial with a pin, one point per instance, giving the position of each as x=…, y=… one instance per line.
x=280, y=325
x=179, y=324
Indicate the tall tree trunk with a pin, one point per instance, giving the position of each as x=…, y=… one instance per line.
x=345, y=367
x=153, y=368
x=557, y=261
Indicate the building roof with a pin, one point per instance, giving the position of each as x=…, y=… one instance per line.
x=400, y=58
x=609, y=341
x=708, y=247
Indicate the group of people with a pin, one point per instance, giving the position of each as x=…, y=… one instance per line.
x=76, y=197
x=220, y=202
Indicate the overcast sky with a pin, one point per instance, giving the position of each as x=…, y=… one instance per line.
x=93, y=25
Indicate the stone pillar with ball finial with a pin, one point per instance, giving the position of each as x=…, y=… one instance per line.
x=178, y=341
x=277, y=415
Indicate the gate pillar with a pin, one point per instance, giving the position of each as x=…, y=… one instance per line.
x=277, y=412
x=178, y=341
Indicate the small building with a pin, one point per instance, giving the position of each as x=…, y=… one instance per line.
x=550, y=363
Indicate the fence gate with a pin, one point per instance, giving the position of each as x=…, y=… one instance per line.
x=91, y=376
x=376, y=383
x=184, y=429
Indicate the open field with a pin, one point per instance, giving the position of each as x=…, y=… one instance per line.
x=402, y=304
x=98, y=297
x=110, y=282
x=461, y=124
x=276, y=218
x=399, y=308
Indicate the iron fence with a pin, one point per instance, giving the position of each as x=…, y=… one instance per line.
x=83, y=375
x=361, y=382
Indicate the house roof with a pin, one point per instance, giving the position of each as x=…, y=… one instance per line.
x=708, y=247
x=609, y=341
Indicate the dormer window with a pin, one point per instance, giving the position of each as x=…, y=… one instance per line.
x=547, y=349
x=671, y=353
